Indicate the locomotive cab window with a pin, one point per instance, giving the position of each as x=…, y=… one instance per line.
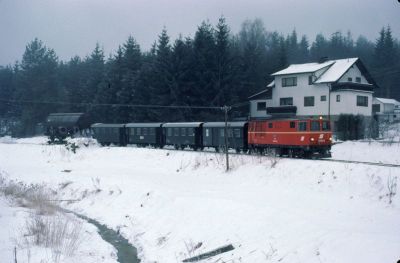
x=270, y=125
x=302, y=126
x=292, y=124
x=315, y=126
x=326, y=126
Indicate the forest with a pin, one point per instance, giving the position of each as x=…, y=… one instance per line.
x=214, y=68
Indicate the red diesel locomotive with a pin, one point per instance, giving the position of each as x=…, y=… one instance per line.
x=291, y=137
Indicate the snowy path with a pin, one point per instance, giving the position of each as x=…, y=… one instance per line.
x=167, y=203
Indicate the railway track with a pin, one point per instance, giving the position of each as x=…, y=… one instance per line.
x=246, y=154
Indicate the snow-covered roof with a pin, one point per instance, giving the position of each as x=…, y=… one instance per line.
x=303, y=68
x=336, y=70
x=387, y=101
x=272, y=84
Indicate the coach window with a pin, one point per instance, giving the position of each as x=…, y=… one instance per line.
x=169, y=131
x=315, y=126
x=237, y=133
x=152, y=131
x=138, y=131
x=292, y=124
x=183, y=131
x=191, y=131
x=144, y=131
x=222, y=132
x=176, y=131
x=132, y=131
x=302, y=126
x=207, y=132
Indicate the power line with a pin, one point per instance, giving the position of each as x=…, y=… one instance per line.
x=115, y=104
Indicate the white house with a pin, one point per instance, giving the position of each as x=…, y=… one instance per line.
x=386, y=109
x=328, y=88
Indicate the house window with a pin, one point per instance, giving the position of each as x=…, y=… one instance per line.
x=286, y=101
x=349, y=79
x=302, y=126
x=292, y=124
x=309, y=101
x=261, y=106
x=362, y=101
x=358, y=79
x=376, y=108
x=289, y=82
x=310, y=80
x=337, y=98
x=323, y=98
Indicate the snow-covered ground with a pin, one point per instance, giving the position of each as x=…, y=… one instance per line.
x=172, y=205
x=14, y=235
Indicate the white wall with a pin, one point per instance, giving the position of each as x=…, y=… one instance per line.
x=353, y=72
x=348, y=103
x=299, y=92
x=253, y=108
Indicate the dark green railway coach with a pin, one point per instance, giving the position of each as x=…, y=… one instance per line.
x=182, y=135
x=144, y=134
x=107, y=134
x=214, y=135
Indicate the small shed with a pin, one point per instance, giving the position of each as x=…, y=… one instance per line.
x=66, y=124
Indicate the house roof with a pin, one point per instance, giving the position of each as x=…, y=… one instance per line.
x=387, y=101
x=336, y=70
x=303, y=68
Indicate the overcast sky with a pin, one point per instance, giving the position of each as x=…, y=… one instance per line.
x=72, y=27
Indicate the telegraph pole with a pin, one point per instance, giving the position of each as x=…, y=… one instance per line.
x=226, y=109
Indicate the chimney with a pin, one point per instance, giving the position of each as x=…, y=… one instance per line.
x=322, y=59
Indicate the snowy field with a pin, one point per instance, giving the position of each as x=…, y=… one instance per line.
x=172, y=205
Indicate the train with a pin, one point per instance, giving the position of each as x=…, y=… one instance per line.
x=292, y=137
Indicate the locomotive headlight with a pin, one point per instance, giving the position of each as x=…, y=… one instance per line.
x=312, y=139
x=330, y=138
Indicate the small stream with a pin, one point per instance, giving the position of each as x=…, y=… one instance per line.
x=126, y=253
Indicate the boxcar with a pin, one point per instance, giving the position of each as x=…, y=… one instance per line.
x=214, y=135
x=185, y=134
x=107, y=134
x=143, y=134
x=292, y=137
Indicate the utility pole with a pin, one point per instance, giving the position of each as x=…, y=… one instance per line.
x=226, y=109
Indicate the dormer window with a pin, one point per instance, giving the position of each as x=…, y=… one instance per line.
x=289, y=82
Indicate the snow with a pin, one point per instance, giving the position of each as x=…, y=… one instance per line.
x=387, y=101
x=303, y=68
x=13, y=233
x=169, y=202
x=336, y=70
